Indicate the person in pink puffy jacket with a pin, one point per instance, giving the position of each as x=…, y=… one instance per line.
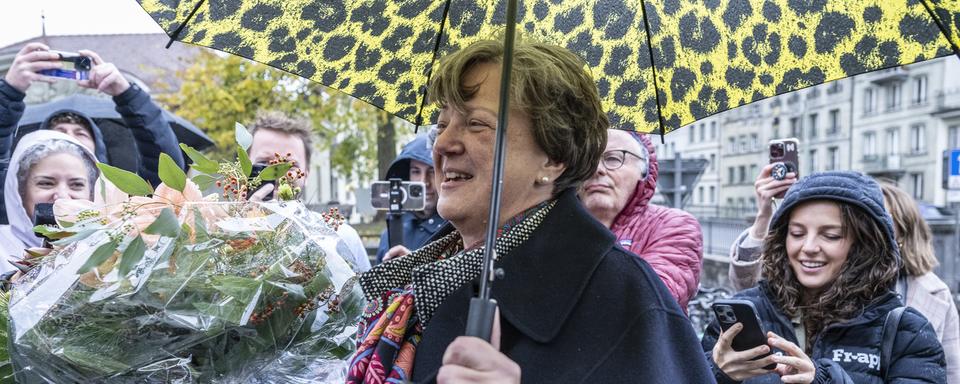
x=619, y=194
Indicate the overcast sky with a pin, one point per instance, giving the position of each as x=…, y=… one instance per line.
x=20, y=19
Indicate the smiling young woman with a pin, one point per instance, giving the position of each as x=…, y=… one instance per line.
x=830, y=260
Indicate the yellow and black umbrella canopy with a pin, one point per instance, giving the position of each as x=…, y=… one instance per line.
x=659, y=65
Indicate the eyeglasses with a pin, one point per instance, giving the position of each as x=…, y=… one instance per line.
x=613, y=160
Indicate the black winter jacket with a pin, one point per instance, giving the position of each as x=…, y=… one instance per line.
x=849, y=352
x=576, y=308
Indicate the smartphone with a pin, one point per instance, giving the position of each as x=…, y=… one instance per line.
x=407, y=195
x=785, y=155
x=75, y=66
x=257, y=168
x=730, y=312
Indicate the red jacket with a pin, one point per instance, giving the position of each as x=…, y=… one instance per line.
x=669, y=239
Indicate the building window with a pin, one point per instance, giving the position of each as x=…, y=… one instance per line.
x=918, y=138
x=916, y=180
x=713, y=194
x=753, y=171
x=893, y=141
x=834, y=87
x=813, y=125
x=743, y=144
x=869, y=101
x=732, y=145
x=813, y=161
x=713, y=161
x=834, y=122
x=713, y=130
x=776, y=127
x=730, y=175
x=754, y=142
x=703, y=132
x=700, y=195
x=742, y=171
x=795, y=128
x=893, y=96
x=953, y=136
x=869, y=144
x=919, y=90
x=693, y=134
x=833, y=158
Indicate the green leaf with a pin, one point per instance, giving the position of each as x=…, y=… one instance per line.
x=132, y=255
x=165, y=224
x=245, y=165
x=171, y=174
x=200, y=162
x=204, y=181
x=128, y=182
x=244, y=138
x=75, y=237
x=101, y=254
x=275, y=171
x=51, y=232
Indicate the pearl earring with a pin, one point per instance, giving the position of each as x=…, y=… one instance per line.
x=544, y=180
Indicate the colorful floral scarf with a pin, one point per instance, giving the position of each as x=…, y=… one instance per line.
x=393, y=322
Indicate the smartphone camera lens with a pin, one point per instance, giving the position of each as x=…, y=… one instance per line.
x=776, y=150
x=416, y=191
x=84, y=63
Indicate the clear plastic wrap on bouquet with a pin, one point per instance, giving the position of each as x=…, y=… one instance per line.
x=229, y=292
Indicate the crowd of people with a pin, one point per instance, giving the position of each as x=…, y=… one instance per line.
x=597, y=278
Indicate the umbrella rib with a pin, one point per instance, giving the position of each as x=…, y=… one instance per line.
x=176, y=33
x=436, y=50
x=653, y=66
x=943, y=28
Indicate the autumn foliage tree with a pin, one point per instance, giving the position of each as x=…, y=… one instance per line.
x=217, y=91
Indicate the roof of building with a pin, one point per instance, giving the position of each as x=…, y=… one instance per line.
x=142, y=54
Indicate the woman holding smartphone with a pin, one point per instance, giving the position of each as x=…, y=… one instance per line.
x=830, y=263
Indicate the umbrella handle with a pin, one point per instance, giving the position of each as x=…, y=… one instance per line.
x=480, y=320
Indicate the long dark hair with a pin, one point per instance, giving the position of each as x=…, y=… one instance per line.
x=869, y=272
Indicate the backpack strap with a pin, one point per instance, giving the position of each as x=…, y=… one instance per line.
x=888, y=336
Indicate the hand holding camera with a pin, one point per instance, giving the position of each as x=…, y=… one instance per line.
x=32, y=59
x=104, y=77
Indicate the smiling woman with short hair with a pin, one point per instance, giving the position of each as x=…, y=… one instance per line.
x=573, y=307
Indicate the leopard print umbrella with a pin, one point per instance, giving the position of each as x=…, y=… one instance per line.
x=707, y=56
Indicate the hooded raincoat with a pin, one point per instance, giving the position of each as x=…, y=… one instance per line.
x=670, y=240
x=151, y=131
x=18, y=235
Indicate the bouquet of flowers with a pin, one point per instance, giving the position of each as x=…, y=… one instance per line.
x=177, y=287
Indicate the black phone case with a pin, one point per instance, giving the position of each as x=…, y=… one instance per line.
x=752, y=335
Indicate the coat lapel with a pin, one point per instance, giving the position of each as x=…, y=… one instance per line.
x=546, y=275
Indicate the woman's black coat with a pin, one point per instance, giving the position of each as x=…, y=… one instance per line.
x=575, y=307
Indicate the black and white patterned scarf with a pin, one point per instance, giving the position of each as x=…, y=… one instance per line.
x=438, y=269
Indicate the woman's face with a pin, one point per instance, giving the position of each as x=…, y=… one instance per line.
x=58, y=176
x=611, y=189
x=463, y=157
x=816, y=246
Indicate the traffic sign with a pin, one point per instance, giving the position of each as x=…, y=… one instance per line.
x=953, y=182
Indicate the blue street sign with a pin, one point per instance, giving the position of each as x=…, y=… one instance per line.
x=955, y=162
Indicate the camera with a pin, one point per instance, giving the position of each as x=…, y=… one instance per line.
x=257, y=168
x=75, y=66
x=43, y=215
x=398, y=195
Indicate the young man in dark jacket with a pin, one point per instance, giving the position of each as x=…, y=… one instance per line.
x=415, y=163
x=151, y=131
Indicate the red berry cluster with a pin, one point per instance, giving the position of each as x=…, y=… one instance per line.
x=333, y=218
x=233, y=187
x=258, y=318
x=294, y=173
x=311, y=304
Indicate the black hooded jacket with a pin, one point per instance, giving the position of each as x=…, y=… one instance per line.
x=849, y=352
